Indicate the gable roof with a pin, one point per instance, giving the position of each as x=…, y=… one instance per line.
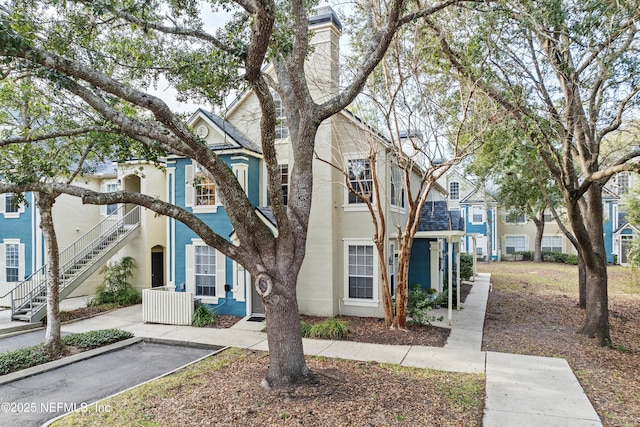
x=434, y=216
x=234, y=138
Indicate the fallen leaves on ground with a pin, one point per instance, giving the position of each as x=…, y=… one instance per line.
x=527, y=316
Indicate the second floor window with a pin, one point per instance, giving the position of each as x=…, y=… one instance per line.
x=10, y=204
x=205, y=189
x=114, y=206
x=282, y=130
x=477, y=214
x=360, y=178
x=397, y=187
x=284, y=183
x=623, y=182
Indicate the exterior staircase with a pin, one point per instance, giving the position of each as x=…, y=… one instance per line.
x=77, y=263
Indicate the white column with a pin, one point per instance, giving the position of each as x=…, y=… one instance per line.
x=450, y=279
x=475, y=257
x=458, y=276
x=434, y=250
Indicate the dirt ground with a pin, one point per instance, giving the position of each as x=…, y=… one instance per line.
x=527, y=317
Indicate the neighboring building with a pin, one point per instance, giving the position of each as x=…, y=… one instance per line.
x=498, y=234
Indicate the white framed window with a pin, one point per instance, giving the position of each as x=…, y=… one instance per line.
x=12, y=261
x=514, y=217
x=200, y=190
x=361, y=273
x=283, y=170
x=112, y=187
x=454, y=190
x=551, y=243
x=477, y=214
x=623, y=183
x=9, y=206
x=547, y=216
x=397, y=192
x=205, y=272
x=360, y=178
x=282, y=129
x=480, y=245
x=513, y=244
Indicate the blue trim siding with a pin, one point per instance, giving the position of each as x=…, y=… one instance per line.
x=420, y=263
x=25, y=229
x=218, y=221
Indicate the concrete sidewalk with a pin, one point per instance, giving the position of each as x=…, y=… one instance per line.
x=521, y=390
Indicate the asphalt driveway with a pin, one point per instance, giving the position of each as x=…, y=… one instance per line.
x=34, y=400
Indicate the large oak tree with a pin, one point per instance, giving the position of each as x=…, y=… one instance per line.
x=107, y=53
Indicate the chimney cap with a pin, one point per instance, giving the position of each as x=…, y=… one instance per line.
x=323, y=15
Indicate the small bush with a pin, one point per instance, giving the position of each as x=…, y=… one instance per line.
x=115, y=288
x=332, y=329
x=526, y=255
x=95, y=339
x=203, y=317
x=419, y=304
x=466, y=266
x=572, y=259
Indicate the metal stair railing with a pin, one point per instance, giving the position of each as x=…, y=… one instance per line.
x=76, y=258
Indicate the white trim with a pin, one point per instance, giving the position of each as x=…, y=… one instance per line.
x=375, y=301
x=171, y=225
x=483, y=213
x=190, y=191
x=10, y=215
x=190, y=272
x=241, y=171
x=526, y=242
x=355, y=207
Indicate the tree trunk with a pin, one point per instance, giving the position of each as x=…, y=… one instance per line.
x=53, y=337
x=597, y=310
x=582, y=282
x=287, y=365
x=586, y=220
x=537, y=256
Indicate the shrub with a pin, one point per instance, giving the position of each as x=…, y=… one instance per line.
x=555, y=257
x=572, y=259
x=419, y=304
x=202, y=317
x=23, y=358
x=526, y=255
x=95, y=339
x=466, y=266
x=333, y=329
x=27, y=357
x=115, y=288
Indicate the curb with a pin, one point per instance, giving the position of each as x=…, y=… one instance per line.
x=218, y=349
x=49, y=366
x=18, y=329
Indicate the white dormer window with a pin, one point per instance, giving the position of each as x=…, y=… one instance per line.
x=454, y=191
